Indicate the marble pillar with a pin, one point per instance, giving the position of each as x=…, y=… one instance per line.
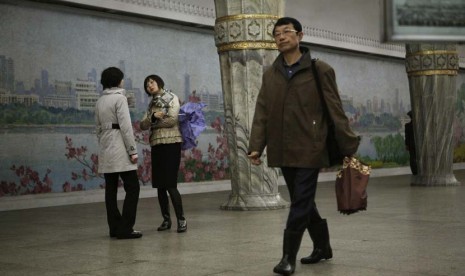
x=432, y=71
x=243, y=36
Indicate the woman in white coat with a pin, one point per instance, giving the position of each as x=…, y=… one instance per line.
x=117, y=154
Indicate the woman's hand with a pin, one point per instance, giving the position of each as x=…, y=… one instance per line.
x=159, y=114
x=254, y=157
x=134, y=158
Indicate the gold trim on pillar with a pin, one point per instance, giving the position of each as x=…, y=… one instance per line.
x=246, y=16
x=245, y=32
x=432, y=62
x=432, y=52
x=247, y=45
x=432, y=72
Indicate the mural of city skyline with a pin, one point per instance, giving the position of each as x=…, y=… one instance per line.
x=82, y=93
x=366, y=86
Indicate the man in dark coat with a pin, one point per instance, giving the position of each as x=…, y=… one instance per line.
x=289, y=121
x=410, y=144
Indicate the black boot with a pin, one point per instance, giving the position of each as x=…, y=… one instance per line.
x=182, y=225
x=321, y=248
x=177, y=205
x=165, y=211
x=165, y=225
x=291, y=245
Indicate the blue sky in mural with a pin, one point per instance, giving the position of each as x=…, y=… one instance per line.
x=70, y=46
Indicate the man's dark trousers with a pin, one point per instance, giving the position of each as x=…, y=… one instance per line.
x=301, y=183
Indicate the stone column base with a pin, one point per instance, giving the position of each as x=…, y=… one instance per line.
x=255, y=202
x=434, y=180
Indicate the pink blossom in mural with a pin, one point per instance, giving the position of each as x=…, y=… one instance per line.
x=87, y=173
x=29, y=182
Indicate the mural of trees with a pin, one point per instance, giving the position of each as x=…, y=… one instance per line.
x=391, y=150
x=36, y=114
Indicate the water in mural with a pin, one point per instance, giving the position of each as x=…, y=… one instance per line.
x=49, y=82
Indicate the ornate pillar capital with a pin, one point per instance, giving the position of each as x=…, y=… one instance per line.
x=245, y=32
x=431, y=59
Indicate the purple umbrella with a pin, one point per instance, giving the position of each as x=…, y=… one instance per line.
x=191, y=123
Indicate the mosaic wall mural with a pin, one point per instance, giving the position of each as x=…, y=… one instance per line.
x=50, y=65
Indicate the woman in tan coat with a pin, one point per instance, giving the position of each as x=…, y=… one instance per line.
x=165, y=139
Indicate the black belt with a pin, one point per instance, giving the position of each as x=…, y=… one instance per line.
x=115, y=126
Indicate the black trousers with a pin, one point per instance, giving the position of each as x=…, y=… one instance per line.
x=301, y=183
x=121, y=224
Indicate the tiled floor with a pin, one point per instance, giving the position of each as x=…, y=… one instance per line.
x=405, y=231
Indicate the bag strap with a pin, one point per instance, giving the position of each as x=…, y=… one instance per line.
x=320, y=89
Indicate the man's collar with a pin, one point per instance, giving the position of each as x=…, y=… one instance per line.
x=303, y=50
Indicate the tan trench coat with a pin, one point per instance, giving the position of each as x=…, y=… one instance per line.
x=289, y=118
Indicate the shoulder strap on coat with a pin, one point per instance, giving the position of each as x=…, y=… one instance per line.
x=318, y=86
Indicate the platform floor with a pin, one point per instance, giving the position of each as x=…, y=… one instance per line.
x=405, y=231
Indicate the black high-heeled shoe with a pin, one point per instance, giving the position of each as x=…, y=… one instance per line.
x=165, y=225
x=182, y=226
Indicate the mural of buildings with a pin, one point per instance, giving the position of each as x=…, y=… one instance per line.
x=214, y=101
x=86, y=94
x=81, y=94
x=131, y=95
x=7, y=97
x=7, y=73
x=62, y=98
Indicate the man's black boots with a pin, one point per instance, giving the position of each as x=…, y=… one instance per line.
x=291, y=245
x=321, y=248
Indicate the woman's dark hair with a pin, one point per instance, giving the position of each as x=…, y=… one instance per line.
x=288, y=20
x=157, y=79
x=111, y=77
